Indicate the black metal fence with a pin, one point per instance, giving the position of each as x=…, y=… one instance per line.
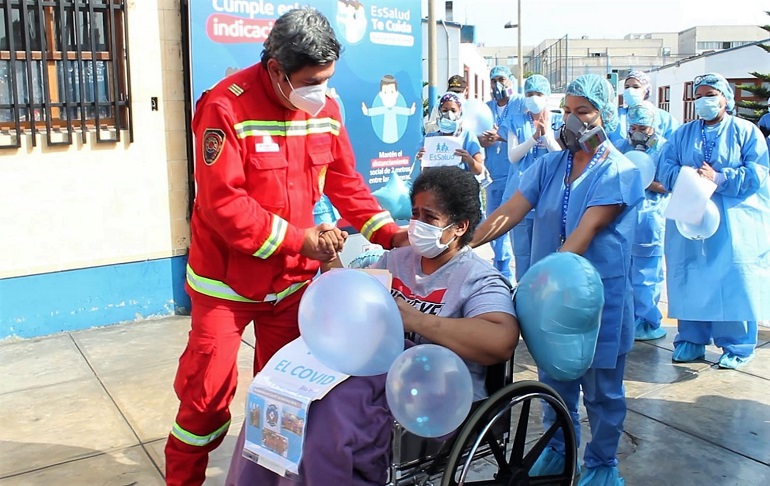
x=64, y=67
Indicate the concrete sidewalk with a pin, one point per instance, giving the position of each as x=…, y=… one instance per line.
x=95, y=407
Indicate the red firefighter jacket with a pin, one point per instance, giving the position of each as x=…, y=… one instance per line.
x=260, y=168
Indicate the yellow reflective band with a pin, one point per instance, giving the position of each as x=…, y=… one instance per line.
x=253, y=128
x=198, y=440
x=277, y=234
x=375, y=222
x=213, y=288
x=220, y=290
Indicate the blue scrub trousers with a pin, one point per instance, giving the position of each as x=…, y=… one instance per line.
x=647, y=281
x=605, y=402
x=738, y=338
x=502, y=245
x=521, y=234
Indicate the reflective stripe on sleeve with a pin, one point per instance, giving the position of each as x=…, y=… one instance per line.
x=198, y=440
x=277, y=234
x=375, y=222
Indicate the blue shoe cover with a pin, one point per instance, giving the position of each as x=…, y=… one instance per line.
x=645, y=331
x=732, y=362
x=685, y=352
x=549, y=463
x=601, y=476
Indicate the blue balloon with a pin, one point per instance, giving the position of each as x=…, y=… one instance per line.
x=645, y=164
x=351, y=323
x=429, y=390
x=707, y=226
x=559, y=305
x=367, y=258
x=394, y=197
x=477, y=117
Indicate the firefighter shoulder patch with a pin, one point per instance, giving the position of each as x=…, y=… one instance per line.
x=213, y=143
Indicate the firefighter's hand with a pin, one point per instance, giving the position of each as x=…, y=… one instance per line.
x=322, y=242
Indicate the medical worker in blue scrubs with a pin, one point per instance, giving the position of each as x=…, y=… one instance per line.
x=505, y=104
x=637, y=89
x=719, y=288
x=585, y=201
x=529, y=137
x=647, y=252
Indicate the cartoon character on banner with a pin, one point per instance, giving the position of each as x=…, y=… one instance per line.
x=389, y=111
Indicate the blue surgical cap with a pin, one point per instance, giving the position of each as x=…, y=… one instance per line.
x=537, y=83
x=600, y=93
x=642, y=114
x=451, y=96
x=643, y=79
x=500, y=71
x=718, y=82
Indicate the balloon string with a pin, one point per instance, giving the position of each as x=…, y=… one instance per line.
x=703, y=247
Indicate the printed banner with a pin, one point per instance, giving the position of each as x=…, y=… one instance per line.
x=277, y=406
x=377, y=81
x=440, y=151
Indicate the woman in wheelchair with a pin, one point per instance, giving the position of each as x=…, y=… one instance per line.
x=447, y=295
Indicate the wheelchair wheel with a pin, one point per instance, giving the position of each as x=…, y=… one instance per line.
x=514, y=458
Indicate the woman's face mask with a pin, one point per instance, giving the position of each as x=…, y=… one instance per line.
x=708, y=107
x=633, y=96
x=535, y=103
x=426, y=238
x=640, y=140
x=576, y=135
x=448, y=121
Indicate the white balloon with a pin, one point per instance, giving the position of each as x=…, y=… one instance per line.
x=477, y=117
x=645, y=164
x=706, y=228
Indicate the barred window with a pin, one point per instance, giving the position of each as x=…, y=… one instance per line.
x=63, y=68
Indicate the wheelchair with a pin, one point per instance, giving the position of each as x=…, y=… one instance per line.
x=499, y=431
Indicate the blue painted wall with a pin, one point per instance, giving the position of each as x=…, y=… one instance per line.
x=38, y=305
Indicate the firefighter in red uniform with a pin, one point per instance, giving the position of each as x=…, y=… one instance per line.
x=268, y=144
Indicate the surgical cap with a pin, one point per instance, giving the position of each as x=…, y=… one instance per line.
x=718, y=82
x=537, y=83
x=500, y=71
x=600, y=93
x=643, y=79
x=451, y=96
x=642, y=114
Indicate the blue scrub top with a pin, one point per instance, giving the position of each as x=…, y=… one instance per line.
x=521, y=125
x=723, y=278
x=496, y=161
x=614, y=180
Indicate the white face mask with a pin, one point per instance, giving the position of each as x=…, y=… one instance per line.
x=310, y=99
x=426, y=238
x=535, y=103
x=633, y=96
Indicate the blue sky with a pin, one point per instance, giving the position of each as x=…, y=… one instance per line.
x=599, y=18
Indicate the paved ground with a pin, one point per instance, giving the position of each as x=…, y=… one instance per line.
x=95, y=406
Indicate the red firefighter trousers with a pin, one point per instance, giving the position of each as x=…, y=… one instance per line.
x=208, y=374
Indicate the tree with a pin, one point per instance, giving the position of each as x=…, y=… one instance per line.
x=760, y=91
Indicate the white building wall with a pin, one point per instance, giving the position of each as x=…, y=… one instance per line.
x=87, y=205
x=732, y=64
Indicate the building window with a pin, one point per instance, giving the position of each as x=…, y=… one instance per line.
x=664, y=98
x=63, y=68
x=688, y=114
